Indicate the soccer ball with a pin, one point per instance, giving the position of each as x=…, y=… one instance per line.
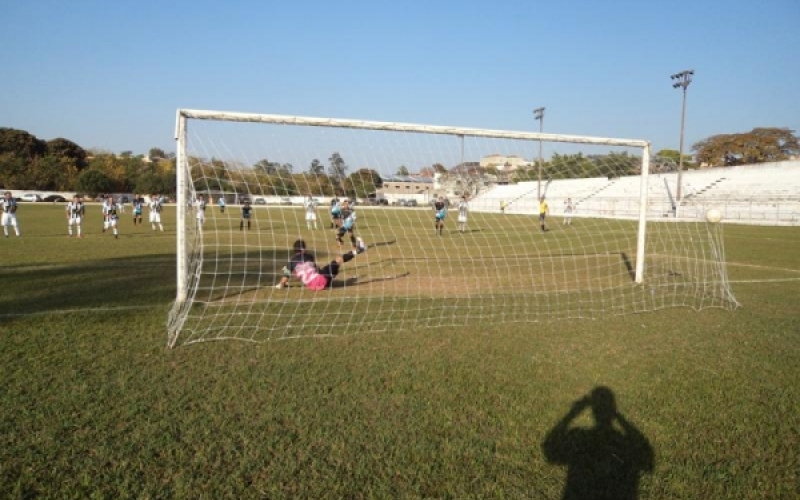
x=713, y=216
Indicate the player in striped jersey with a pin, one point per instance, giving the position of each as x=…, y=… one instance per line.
x=311, y=212
x=463, y=210
x=200, y=215
x=108, y=202
x=110, y=216
x=9, y=218
x=155, y=212
x=75, y=211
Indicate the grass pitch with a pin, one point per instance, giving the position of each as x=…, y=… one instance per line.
x=94, y=406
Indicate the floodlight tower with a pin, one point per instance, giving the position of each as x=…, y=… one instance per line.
x=681, y=80
x=538, y=114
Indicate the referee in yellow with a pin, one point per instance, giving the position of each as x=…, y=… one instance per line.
x=543, y=211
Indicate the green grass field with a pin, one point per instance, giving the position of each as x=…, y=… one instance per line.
x=95, y=406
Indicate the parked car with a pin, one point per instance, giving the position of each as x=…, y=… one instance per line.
x=55, y=198
x=406, y=203
x=286, y=201
x=259, y=201
x=31, y=197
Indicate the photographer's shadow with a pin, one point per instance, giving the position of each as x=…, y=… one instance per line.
x=605, y=461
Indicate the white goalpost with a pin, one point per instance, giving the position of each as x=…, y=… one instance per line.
x=606, y=245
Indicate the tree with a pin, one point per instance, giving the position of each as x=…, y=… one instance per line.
x=316, y=167
x=362, y=183
x=760, y=145
x=338, y=169
x=52, y=173
x=64, y=148
x=403, y=171
x=21, y=143
x=93, y=182
x=267, y=167
x=150, y=182
x=156, y=154
x=439, y=168
x=674, y=155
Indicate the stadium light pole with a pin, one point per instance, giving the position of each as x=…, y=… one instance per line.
x=538, y=114
x=681, y=80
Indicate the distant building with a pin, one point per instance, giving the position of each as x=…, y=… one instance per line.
x=412, y=187
x=507, y=163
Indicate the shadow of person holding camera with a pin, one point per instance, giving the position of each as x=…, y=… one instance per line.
x=604, y=461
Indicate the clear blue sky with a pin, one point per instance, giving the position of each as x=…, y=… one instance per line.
x=110, y=74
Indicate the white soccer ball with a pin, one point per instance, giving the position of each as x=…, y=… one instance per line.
x=713, y=216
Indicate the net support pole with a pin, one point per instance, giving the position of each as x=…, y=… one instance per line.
x=180, y=209
x=641, y=240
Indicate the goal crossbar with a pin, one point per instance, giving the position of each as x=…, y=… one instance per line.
x=401, y=127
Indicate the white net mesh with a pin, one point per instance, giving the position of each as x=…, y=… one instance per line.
x=491, y=262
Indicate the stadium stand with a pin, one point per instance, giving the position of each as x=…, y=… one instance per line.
x=767, y=193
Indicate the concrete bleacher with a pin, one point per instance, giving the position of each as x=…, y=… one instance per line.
x=759, y=194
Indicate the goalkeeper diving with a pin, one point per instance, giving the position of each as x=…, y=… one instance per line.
x=303, y=266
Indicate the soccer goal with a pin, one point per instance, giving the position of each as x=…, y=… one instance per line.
x=461, y=226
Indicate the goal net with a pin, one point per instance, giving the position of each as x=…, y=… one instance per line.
x=250, y=186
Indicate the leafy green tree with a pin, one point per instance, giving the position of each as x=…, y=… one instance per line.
x=674, y=155
x=316, y=167
x=760, y=145
x=568, y=166
x=156, y=154
x=21, y=143
x=151, y=182
x=13, y=171
x=338, y=169
x=267, y=167
x=402, y=171
x=93, y=182
x=363, y=182
x=52, y=173
x=64, y=148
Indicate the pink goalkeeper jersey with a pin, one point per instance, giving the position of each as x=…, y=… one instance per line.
x=308, y=273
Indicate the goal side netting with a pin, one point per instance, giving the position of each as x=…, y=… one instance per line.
x=250, y=186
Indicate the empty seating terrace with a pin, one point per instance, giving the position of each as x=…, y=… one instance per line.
x=759, y=194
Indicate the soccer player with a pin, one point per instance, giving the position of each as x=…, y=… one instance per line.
x=303, y=266
x=568, y=209
x=121, y=204
x=200, y=205
x=347, y=224
x=463, y=209
x=503, y=206
x=155, y=212
x=110, y=216
x=221, y=203
x=440, y=209
x=544, y=209
x=9, y=205
x=108, y=203
x=336, y=213
x=246, y=212
x=311, y=212
x=75, y=211
x=138, y=203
